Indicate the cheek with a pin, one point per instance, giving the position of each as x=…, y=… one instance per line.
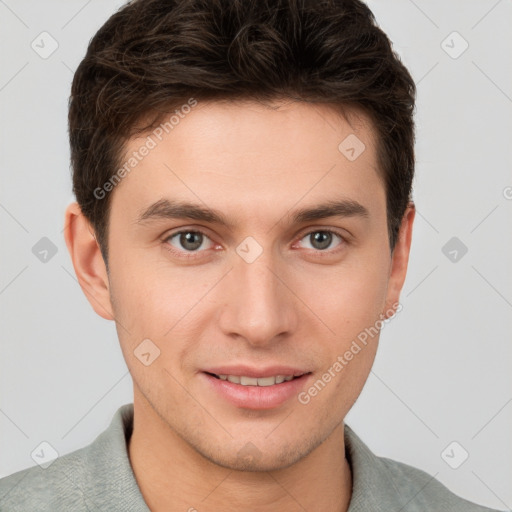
x=163, y=304
x=151, y=293
x=351, y=308
x=348, y=298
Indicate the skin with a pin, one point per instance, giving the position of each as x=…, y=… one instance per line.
x=295, y=304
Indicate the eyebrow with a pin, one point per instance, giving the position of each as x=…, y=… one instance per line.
x=167, y=209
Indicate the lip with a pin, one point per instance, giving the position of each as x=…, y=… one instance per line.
x=251, y=371
x=255, y=397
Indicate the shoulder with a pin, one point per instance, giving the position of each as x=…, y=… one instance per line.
x=58, y=487
x=382, y=484
x=423, y=491
x=95, y=477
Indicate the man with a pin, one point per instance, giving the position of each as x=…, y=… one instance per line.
x=243, y=177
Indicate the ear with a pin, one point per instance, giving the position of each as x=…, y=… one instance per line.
x=399, y=260
x=87, y=260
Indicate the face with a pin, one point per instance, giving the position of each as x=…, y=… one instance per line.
x=223, y=260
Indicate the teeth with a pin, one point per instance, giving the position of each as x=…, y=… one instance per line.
x=253, y=381
x=248, y=381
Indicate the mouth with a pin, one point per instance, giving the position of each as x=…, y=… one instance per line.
x=245, y=380
x=255, y=391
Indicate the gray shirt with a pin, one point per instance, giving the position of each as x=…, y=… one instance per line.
x=99, y=477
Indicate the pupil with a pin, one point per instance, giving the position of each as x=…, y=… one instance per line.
x=322, y=239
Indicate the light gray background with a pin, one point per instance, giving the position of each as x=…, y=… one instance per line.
x=442, y=372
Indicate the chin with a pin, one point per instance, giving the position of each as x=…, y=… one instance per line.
x=252, y=458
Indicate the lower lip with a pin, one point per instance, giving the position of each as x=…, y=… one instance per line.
x=257, y=397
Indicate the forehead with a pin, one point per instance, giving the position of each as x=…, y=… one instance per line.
x=242, y=153
x=280, y=127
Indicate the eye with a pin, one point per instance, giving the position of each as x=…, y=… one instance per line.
x=188, y=241
x=321, y=239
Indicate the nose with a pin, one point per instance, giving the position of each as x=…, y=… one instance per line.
x=259, y=306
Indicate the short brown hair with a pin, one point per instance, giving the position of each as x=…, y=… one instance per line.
x=152, y=56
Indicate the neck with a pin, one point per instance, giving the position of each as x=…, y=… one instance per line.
x=173, y=476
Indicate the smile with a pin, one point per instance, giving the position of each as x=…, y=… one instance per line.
x=255, y=392
x=255, y=381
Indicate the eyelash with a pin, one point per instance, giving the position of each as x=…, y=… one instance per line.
x=195, y=254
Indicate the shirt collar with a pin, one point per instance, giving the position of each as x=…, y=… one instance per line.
x=372, y=486
x=108, y=456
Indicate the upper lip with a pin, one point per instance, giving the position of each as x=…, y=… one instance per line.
x=251, y=371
